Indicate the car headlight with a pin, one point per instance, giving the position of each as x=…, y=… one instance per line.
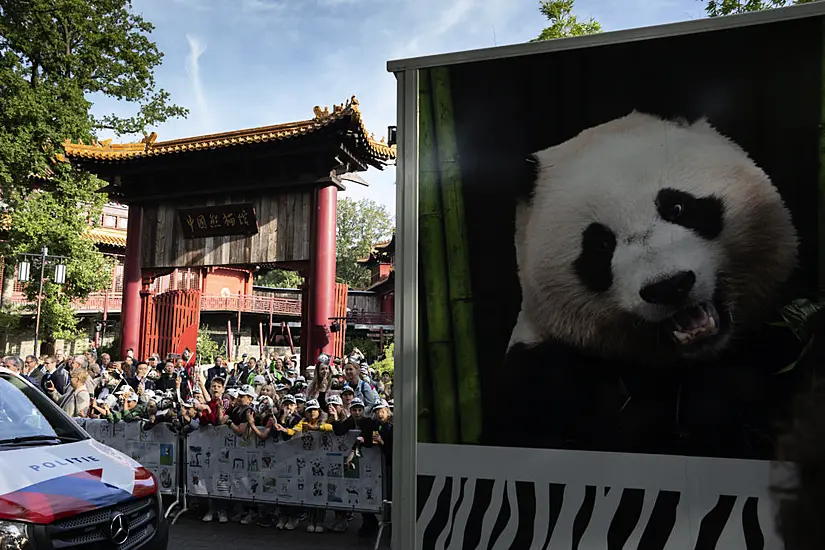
x=14, y=536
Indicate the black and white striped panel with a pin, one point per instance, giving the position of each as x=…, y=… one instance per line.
x=466, y=513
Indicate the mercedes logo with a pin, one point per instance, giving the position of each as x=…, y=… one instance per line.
x=119, y=529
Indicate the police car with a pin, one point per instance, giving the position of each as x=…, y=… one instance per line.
x=59, y=488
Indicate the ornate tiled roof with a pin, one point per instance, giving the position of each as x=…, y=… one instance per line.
x=377, y=248
x=108, y=237
x=149, y=147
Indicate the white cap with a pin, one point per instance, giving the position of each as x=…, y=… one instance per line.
x=248, y=390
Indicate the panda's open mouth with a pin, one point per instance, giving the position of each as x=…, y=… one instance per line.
x=695, y=323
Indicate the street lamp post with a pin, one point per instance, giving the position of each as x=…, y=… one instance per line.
x=23, y=272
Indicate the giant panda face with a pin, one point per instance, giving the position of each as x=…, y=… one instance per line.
x=649, y=238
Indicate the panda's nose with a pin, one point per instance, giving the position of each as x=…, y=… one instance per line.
x=671, y=291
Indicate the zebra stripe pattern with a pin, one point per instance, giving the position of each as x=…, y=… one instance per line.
x=496, y=514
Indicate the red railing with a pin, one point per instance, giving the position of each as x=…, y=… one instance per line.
x=252, y=304
x=97, y=302
x=370, y=318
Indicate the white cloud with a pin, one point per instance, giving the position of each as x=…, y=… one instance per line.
x=262, y=6
x=452, y=16
x=198, y=5
x=271, y=61
x=197, y=47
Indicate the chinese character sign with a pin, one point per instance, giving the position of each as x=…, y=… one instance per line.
x=218, y=221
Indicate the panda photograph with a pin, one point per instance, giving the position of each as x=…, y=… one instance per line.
x=620, y=245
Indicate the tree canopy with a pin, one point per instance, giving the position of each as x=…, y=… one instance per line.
x=54, y=56
x=279, y=278
x=361, y=224
x=563, y=22
x=717, y=8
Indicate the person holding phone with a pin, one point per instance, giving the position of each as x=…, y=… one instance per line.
x=76, y=400
x=54, y=374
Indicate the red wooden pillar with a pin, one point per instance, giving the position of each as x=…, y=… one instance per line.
x=130, y=312
x=322, y=273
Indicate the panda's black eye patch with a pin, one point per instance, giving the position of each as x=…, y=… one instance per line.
x=704, y=216
x=593, y=264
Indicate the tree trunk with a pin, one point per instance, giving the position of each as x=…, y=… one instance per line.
x=7, y=284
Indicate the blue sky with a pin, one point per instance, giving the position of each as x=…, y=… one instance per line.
x=243, y=63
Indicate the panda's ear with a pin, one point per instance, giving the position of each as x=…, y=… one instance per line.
x=526, y=175
x=703, y=125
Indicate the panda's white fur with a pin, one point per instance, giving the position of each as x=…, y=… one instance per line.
x=611, y=174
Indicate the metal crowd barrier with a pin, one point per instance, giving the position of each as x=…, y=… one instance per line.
x=308, y=471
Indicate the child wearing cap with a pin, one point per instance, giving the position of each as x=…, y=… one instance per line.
x=381, y=428
x=288, y=419
x=189, y=416
x=311, y=422
x=240, y=415
x=132, y=410
x=347, y=395
x=367, y=426
x=301, y=400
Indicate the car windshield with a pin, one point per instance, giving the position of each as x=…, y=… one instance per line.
x=27, y=414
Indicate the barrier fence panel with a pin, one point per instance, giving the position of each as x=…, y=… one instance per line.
x=307, y=470
x=156, y=449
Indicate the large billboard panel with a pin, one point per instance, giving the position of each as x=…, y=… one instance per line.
x=607, y=237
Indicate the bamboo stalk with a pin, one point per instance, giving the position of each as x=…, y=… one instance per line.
x=425, y=385
x=821, y=188
x=434, y=270
x=458, y=260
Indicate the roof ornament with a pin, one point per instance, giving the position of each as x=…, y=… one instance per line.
x=149, y=140
x=321, y=113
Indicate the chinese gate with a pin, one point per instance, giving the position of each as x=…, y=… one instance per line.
x=262, y=198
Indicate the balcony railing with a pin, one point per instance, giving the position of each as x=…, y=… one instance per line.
x=370, y=318
x=252, y=304
x=97, y=302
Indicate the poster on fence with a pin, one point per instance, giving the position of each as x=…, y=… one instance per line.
x=156, y=449
x=307, y=470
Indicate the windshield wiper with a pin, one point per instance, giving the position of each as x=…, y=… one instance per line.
x=37, y=438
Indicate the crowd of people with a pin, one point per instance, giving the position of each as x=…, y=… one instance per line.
x=254, y=398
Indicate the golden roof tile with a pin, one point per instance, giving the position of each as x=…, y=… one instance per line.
x=149, y=146
x=109, y=237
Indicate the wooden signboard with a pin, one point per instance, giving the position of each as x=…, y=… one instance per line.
x=268, y=227
x=218, y=221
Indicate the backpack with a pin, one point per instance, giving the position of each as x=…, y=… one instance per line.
x=370, y=388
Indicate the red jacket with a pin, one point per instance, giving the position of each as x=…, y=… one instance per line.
x=211, y=416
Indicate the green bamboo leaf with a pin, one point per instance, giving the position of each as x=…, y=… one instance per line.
x=801, y=356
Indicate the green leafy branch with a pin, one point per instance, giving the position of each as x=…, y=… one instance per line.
x=799, y=317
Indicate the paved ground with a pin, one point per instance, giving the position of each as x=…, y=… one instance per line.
x=189, y=533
